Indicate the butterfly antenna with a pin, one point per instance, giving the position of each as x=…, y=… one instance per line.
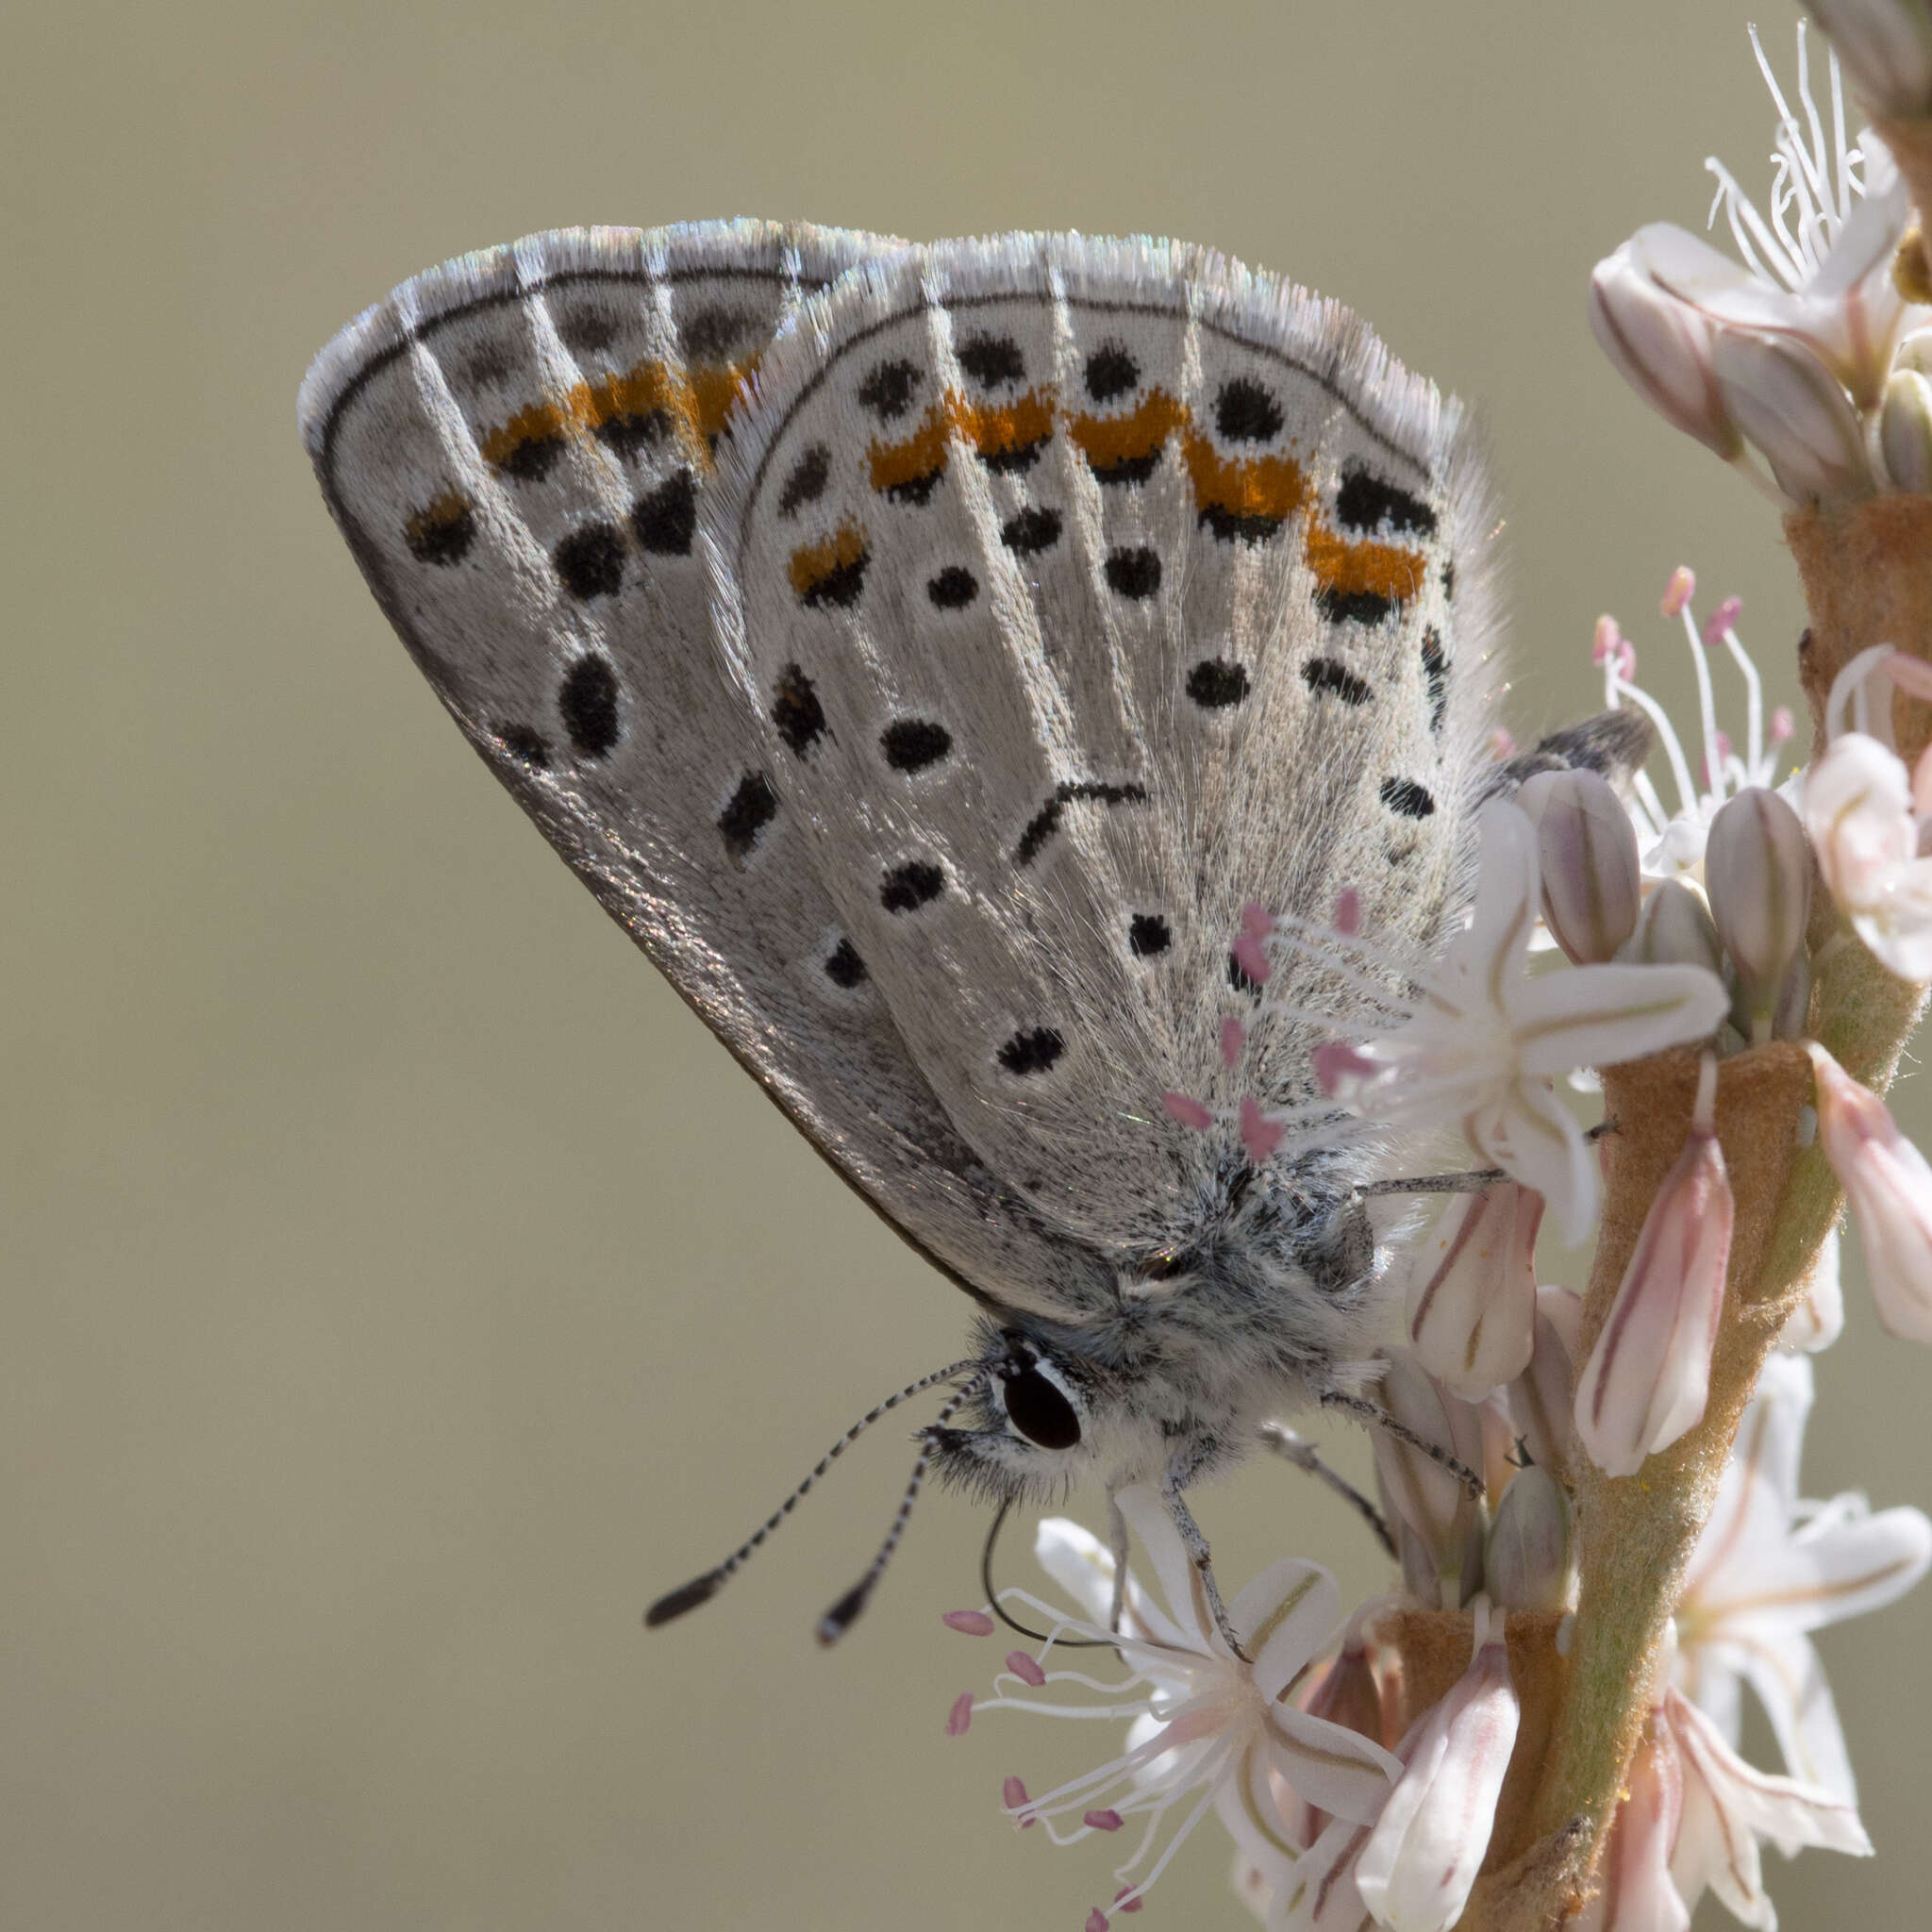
x=845, y=1612
x=701, y=1589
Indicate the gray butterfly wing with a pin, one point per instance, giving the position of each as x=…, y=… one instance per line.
x=1086, y=591
x=518, y=447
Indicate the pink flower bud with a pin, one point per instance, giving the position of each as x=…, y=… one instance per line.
x=1889, y=1189
x=1543, y=1397
x=1471, y=1295
x=1659, y=345
x=1526, y=1559
x=1796, y=412
x=1416, y=1870
x=1587, y=857
x=1758, y=870
x=1649, y=1375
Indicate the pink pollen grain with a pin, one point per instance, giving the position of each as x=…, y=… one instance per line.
x=1190, y=1113
x=1679, y=590
x=1233, y=1039
x=1013, y=1795
x=1603, y=647
x=1128, y=1900
x=1348, y=912
x=1260, y=1135
x=1257, y=921
x=1108, y=1820
x=1025, y=1669
x=968, y=1622
x=959, y=1719
x=1335, y=1063
x=1096, y=1921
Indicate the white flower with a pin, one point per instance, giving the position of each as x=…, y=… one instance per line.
x=1868, y=817
x=1769, y=1568
x=1791, y=347
x=1484, y=1039
x=1729, y=1809
x=1205, y=1727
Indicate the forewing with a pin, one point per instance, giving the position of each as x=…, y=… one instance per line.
x=1086, y=591
x=519, y=447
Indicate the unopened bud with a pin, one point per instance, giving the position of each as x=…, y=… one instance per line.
x=1674, y=929
x=1526, y=1560
x=1472, y=1296
x=1419, y=1864
x=1542, y=1398
x=1659, y=344
x=1346, y=1693
x=1431, y=1501
x=1885, y=46
x=1648, y=1377
x=1797, y=414
x=1758, y=870
x=1889, y=1188
x=1904, y=431
x=1586, y=853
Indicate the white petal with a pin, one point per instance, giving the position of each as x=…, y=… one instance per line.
x=1600, y=1016
x=1173, y=1568
x=1784, y=1670
x=1286, y=1616
x=1079, y=1562
x=1323, y=1896
x=1534, y=1138
x=1471, y=1295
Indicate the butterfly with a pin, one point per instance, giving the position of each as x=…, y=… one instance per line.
x=925, y=653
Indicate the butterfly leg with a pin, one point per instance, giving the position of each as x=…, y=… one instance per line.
x=1292, y=1448
x=1379, y=1418
x=1198, y=1554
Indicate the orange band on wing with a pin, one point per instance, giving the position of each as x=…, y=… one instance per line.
x=820, y=570
x=1110, y=442
x=1252, y=498
x=993, y=430
x=1350, y=569
x=693, y=405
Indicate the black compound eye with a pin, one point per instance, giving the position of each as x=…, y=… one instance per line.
x=1040, y=1411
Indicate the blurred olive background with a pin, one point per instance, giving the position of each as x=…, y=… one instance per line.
x=400, y=1287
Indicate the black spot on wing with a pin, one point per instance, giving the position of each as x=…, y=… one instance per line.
x=843, y=967
x=1365, y=500
x=1406, y=799
x=1148, y=934
x=587, y=703
x=634, y=430
x=797, y=710
x=1012, y=463
x=525, y=745
x=840, y=585
x=1326, y=678
x=1032, y=1051
x=443, y=533
x=1110, y=372
x=1046, y=821
x=533, y=459
x=1128, y=469
x=916, y=491
x=1246, y=413
x=1133, y=572
x=666, y=519
x=1214, y=684
x=1233, y=527
x=991, y=360
x=952, y=588
x=907, y=887
x=584, y=331
x=807, y=480
x=1029, y=531
x=1436, y=673
x=751, y=809
x=713, y=333
x=1353, y=606
x=888, y=387
x=910, y=744
x=589, y=561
